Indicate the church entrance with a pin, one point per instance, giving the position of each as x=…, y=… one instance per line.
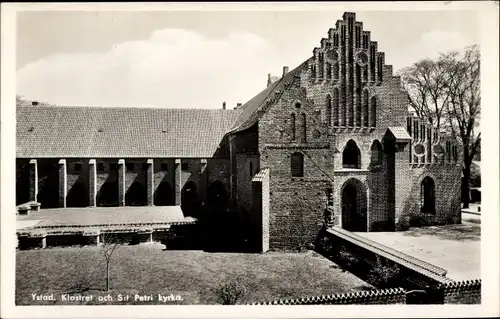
x=354, y=206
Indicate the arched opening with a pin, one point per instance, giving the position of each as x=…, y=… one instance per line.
x=329, y=110
x=164, y=195
x=189, y=199
x=217, y=197
x=136, y=195
x=373, y=111
x=297, y=164
x=48, y=186
x=108, y=195
x=376, y=156
x=428, y=196
x=78, y=195
x=351, y=156
x=354, y=206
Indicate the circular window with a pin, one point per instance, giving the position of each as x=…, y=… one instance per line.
x=419, y=149
x=362, y=58
x=298, y=105
x=438, y=150
x=332, y=55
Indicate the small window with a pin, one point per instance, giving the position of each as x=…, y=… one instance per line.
x=130, y=166
x=351, y=156
x=78, y=167
x=251, y=169
x=30, y=129
x=298, y=105
x=297, y=165
x=185, y=166
x=164, y=166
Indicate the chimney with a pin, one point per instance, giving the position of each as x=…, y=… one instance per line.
x=269, y=82
x=285, y=70
x=34, y=103
x=224, y=105
x=238, y=105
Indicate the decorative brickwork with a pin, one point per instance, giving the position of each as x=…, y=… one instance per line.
x=371, y=297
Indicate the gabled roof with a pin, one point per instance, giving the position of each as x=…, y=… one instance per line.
x=65, y=132
x=250, y=110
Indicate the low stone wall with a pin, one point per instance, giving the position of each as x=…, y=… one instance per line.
x=457, y=292
x=176, y=235
x=371, y=297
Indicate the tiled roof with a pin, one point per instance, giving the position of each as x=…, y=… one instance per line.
x=400, y=133
x=57, y=131
x=250, y=110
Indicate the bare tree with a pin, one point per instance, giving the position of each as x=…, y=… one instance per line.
x=464, y=107
x=425, y=85
x=108, y=247
x=446, y=92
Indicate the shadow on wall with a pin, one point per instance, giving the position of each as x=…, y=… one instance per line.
x=78, y=195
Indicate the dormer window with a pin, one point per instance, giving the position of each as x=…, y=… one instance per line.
x=30, y=129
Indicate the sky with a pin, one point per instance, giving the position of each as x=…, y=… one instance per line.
x=198, y=59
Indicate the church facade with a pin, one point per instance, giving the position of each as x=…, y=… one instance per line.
x=330, y=141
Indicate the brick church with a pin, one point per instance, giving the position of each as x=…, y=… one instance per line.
x=329, y=141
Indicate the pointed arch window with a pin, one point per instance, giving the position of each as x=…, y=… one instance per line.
x=376, y=156
x=329, y=110
x=365, y=108
x=303, y=127
x=336, y=110
x=373, y=109
x=428, y=196
x=351, y=156
x=297, y=164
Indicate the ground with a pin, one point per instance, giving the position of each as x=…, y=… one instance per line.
x=101, y=215
x=146, y=269
x=456, y=248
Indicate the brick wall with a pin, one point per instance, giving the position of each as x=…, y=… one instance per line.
x=463, y=292
x=372, y=297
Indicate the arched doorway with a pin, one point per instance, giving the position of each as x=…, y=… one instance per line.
x=189, y=199
x=428, y=196
x=217, y=197
x=136, y=195
x=164, y=195
x=78, y=195
x=108, y=195
x=354, y=206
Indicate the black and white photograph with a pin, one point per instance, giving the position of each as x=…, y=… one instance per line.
x=256, y=155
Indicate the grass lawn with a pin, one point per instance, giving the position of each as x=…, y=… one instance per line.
x=148, y=269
